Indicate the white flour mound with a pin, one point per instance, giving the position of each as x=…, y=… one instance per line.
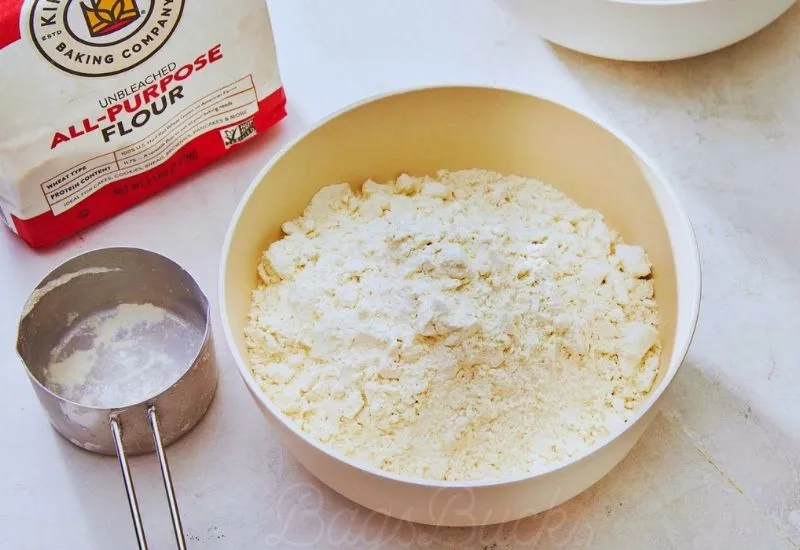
x=467, y=326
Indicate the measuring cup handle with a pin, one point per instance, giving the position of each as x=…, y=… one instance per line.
x=177, y=526
x=116, y=431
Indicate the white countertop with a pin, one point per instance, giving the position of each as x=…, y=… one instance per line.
x=720, y=467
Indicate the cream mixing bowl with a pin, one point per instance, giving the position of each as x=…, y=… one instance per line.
x=420, y=132
x=646, y=30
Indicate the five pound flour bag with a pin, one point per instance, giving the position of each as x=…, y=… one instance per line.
x=106, y=102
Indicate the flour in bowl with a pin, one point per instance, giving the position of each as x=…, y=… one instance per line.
x=459, y=327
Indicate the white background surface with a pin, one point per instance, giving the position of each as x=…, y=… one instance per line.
x=720, y=467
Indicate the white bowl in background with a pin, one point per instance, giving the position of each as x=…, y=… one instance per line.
x=420, y=132
x=646, y=30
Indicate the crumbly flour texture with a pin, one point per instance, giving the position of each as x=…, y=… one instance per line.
x=465, y=326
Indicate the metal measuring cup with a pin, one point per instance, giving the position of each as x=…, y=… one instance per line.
x=90, y=291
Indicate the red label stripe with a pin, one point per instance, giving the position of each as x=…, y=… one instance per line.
x=9, y=21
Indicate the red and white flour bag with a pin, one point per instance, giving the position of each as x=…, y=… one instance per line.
x=106, y=102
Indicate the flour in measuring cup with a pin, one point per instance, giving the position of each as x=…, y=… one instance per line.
x=122, y=356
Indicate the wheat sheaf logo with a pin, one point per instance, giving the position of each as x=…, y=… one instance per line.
x=100, y=37
x=106, y=16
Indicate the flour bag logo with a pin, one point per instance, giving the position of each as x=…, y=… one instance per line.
x=103, y=17
x=101, y=37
